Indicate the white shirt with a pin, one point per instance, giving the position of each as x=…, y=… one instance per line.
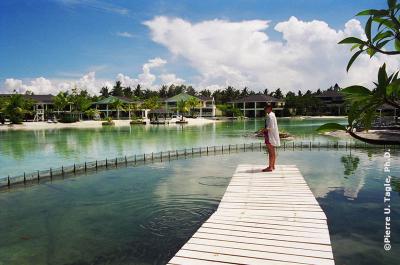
x=273, y=131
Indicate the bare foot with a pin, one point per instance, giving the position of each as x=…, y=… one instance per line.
x=268, y=169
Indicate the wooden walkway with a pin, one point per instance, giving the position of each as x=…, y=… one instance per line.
x=263, y=218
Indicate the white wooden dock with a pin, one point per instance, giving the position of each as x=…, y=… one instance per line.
x=263, y=218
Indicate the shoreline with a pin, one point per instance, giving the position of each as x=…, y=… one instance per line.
x=313, y=117
x=41, y=125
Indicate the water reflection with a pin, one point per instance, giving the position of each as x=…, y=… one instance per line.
x=39, y=149
x=350, y=164
x=144, y=215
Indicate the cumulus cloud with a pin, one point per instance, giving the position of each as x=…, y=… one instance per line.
x=89, y=82
x=146, y=78
x=169, y=79
x=43, y=85
x=306, y=56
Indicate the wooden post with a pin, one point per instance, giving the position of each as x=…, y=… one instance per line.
x=51, y=174
x=260, y=147
x=152, y=157
x=293, y=146
x=207, y=150
x=229, y=148
x=116, y=162
x=237, y=147
x=185, y=152
x=161, y=156
x=310, y=145
x=96, y=165
x=177, y=154
x=222, y=148
x=74, y=168
x=144, y=158
x=62, y=170
x=106, y=163
x=24, y=178
x=8, y=181
x=169, y=155
x=38, y=175
x=284, y=145
x=192, y=151
x=126, y=161
x=244, y=147
x=85, y=167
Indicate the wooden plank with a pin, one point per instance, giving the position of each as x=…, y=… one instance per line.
x=264, y=255
x=263, y=218
x=267, y=242
x=262, y=248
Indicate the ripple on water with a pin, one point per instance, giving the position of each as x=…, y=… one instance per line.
x=214, y=181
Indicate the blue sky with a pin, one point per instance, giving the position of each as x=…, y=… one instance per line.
x=64, y=39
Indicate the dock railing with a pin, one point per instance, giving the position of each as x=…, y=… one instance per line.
x=141, y=159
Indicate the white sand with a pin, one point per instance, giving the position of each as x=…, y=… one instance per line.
x=87, y=124
x=313, y=117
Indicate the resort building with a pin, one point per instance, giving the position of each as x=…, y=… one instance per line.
x=205, y=108
x=333, y=100
x=120, y=107
x=42, y=105
x=252, y=106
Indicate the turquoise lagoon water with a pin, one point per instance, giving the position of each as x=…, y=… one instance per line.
x=143, y=215
x=41, y=149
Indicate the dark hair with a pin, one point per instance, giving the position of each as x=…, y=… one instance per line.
x=268, y=106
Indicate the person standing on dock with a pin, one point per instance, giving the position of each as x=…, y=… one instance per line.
x=271, y=136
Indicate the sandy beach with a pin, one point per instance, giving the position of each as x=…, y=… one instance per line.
x=88, y=124
x=313, y=117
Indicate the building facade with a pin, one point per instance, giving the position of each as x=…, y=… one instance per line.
x=252, y=106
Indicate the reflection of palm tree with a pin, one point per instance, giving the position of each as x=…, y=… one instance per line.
x=350, y=164
x=119, y=106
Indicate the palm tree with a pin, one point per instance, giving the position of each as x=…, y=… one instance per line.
x=192, y=103
x=182, y=107
x=92, y=113
x=119, y=106
x=16, y=108
x=131, y=107
x=61, y=101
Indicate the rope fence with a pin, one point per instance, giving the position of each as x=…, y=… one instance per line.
x=146, y=158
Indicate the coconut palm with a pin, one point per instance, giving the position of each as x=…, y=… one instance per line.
x=61, y=101
x=119, y=106
x=182, y=107
x=192, y=103
x=17, y=107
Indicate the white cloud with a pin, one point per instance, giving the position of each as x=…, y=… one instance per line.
x=146, y=79
x=241, y=53
x=124, y=34
x=89, y=82
x=169, y=79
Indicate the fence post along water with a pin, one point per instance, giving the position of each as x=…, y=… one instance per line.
x=135, y=160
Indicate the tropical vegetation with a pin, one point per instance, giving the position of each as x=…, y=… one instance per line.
x=382, y=31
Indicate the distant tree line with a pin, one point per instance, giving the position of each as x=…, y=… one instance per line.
x=81, y=102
